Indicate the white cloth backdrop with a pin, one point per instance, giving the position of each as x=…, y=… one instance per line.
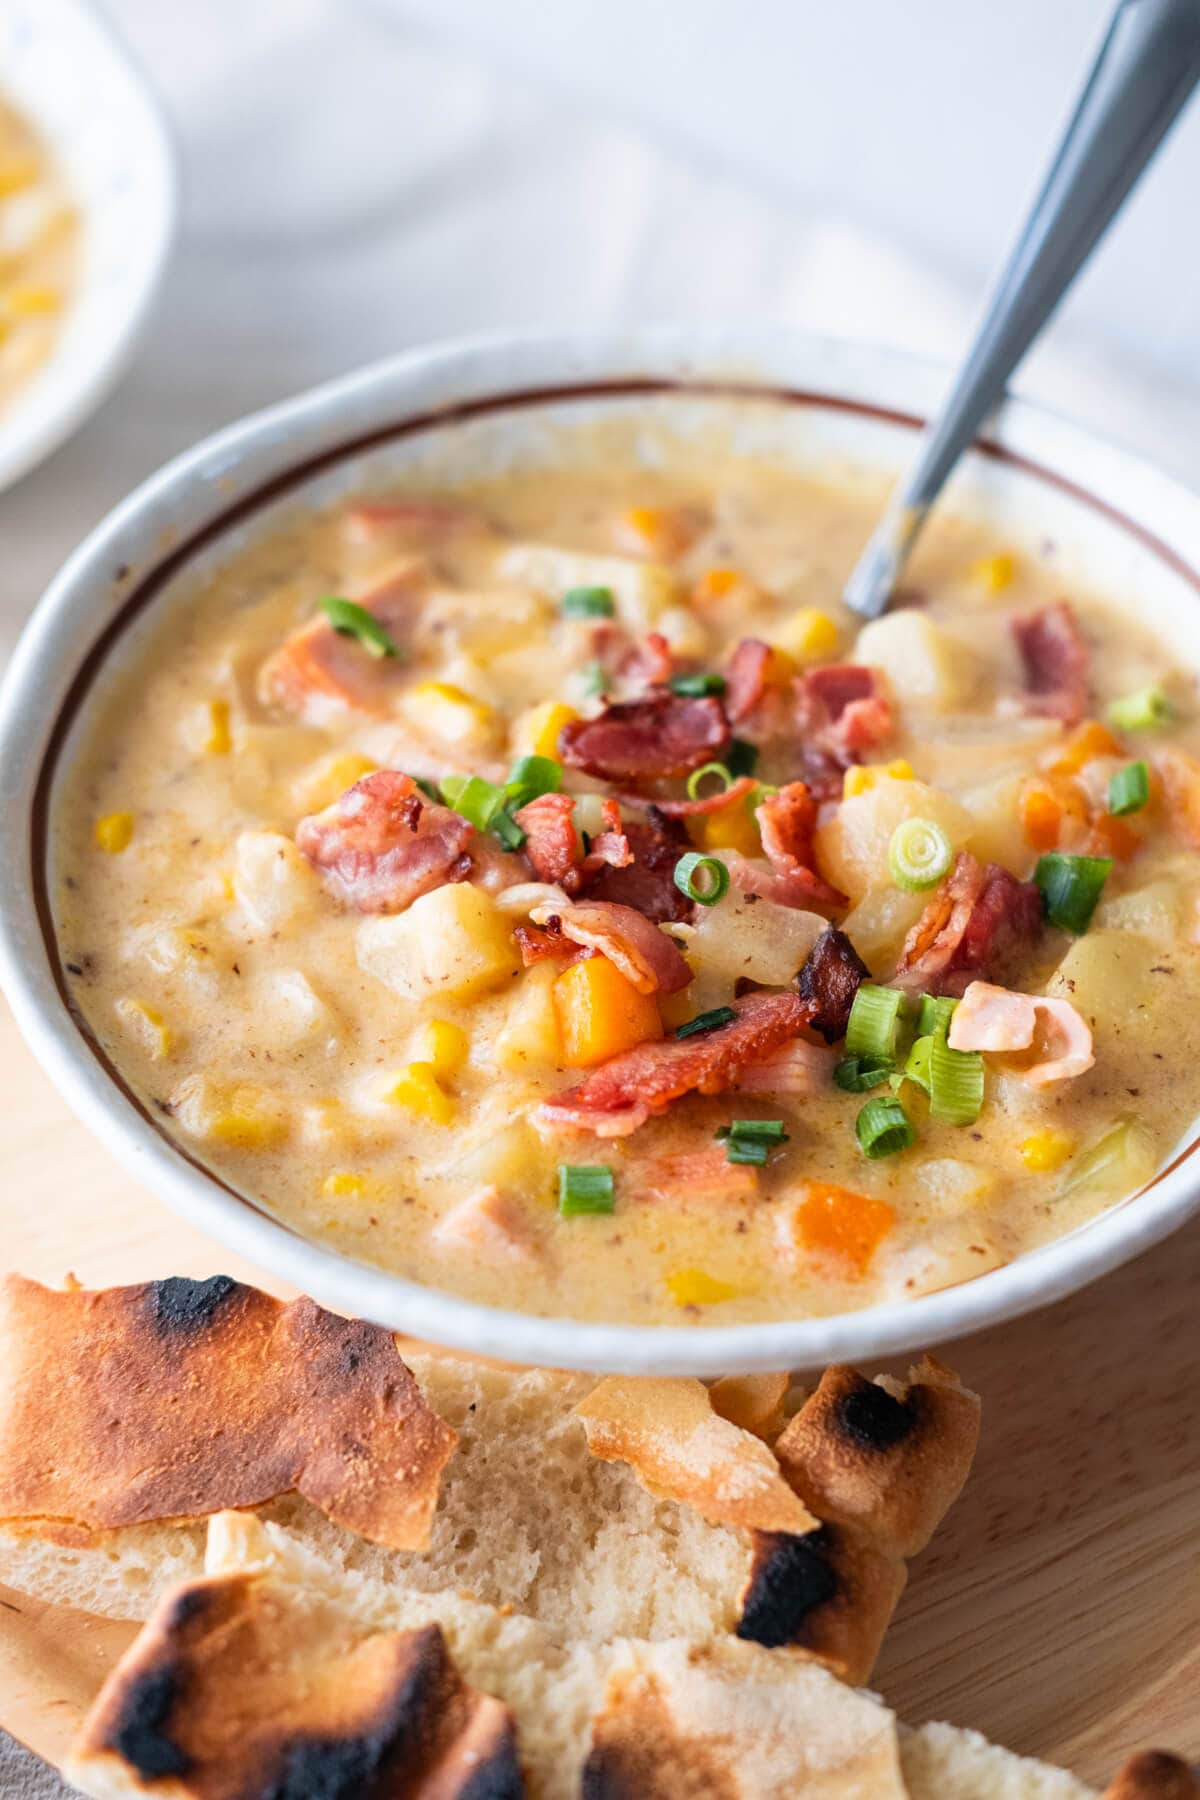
x=353, y=185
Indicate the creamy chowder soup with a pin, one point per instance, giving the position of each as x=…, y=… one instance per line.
x=38, y=250
x=547, y=891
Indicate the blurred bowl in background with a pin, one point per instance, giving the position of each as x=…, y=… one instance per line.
x=65, y=71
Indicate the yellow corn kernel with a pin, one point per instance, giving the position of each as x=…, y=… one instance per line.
x=249, y=1119
x=715, y=584
x=31, y=302
x=330, y=778
x=114, y=832
x=735, y=828
x=344, y=1184
x=448, y=712
x=995, y=573
x=1048, y=1149
x=536, y=731
x=808, y=635
x=219, y=742
x=861, y=776
x=443, y=1046
x=692, y=1287
x=146, y=1024
x=17, y=173
x=418, y=1089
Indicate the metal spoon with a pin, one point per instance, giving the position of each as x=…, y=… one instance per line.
x=1148, y=65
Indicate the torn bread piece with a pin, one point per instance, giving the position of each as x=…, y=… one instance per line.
x=756, y=1403
x=176, y=1398
x=245, y=1688
x=1155, y=1775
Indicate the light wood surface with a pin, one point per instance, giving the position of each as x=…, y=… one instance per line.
x=1059, y=1608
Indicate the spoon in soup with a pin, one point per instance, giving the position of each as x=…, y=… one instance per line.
x=1145, y=71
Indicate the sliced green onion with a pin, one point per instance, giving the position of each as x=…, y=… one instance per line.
x=1129, y=789
x=747, y=1150
x=1071, y=887
x=883, y=1127
x=741, y=758
x=592, y=679
x=874, y=1020
x=352, y=620
x=699, y=775
x=584, y=1188
x=919, y=855
x=702, y=878
x=507, y=829
x=588, y=603
x=1142, y=711
x=697, y=686
x=530, y=777
x=771, y=1131
x=955, y=1083
x=1121, y=1161
x=706, y=1021
x=858, y=1073
x=916, y=1065
x=474, y=798
x=935, y=1015
x=428, y=788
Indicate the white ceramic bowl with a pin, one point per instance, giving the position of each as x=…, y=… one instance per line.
x=463, y=408
x=64, y=68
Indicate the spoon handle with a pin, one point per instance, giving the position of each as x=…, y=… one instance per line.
x=1147, y=66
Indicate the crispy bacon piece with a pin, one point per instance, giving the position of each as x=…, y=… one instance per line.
x=318, y=673
x=381, y=845
x=623, y=1093
x=978, y=924
x=648, y=882
x=842, y=711
x=746, y=679
x=788, y=821
x=708, y=803
x=551, y=844
x=537, y=943
x=704, y=1174
x=631, y=665
x=645, y=955
x=646, y=740
x=829, y=980
x=609, y=848
x=1056, y=661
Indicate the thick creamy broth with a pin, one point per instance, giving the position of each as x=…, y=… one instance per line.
x=38, y=250
x=370, y=1064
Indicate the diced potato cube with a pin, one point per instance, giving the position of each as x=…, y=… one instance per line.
x=418, y=1090
x=529, y=1037
x=686, y=634
x=443, y=711
x=642, y=591
x=114, y=832
x=922, y=662
x=290, y=1012
x=145, y=1024
x=952, y=1184
x=998, y=834
x=453, y=944
x=757, y=939
x=444, y=1046
x=852, y=848
x=240, y=1114
x=879, y=924
x=1116, y=979
x=272, y=883
x=327, y=780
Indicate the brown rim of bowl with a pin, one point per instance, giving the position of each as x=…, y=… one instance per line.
x=151, y=584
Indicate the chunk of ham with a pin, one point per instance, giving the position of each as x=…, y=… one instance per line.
x=1055, y=658
x=381, y=844
x=620, y=1095
x=648, y=882
x=319, y=674
x=1056, y=1041
x=486, y=1223
x=979, y=923
x=654, y=739
x=693, y=1175
x=644, y=954
x=842, y=711
x=788, y=821
x=629, y=665
x=551, y=843
x=421, y=523
x=796, y=1068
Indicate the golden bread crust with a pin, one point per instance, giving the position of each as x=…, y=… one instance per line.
x=1154, y=1775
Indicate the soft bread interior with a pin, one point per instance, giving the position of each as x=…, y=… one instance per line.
x=941, y=1762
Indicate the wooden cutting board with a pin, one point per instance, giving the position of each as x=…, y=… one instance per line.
x=1058, y=1610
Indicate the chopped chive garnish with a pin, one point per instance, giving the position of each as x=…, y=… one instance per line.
x=698, y=776
x=530, y=777
x=702, y=878
x=592, y=679
x=706, y=1021
x=916, y=1064
x=883, y=1127
x=955, y=1083
x=474, y=798
x=697, y=686
x=1142, y=711
x=428, y=788
x=770, y=1130
x=874, y=1020
x=747, y=1150
x=858, y=1073
x=507, y=829
x=935, y=1015
x=588, y=603
x=351, y=620
x=1071, y=887
x=1129, y=789
x=741, y=758
x=584, y=1188
x=919, y=855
